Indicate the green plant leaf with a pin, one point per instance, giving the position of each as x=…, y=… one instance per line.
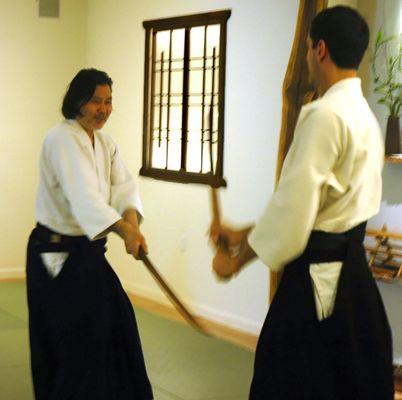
x=379, y=36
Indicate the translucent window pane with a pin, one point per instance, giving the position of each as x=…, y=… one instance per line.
x=178, y=43
x=193, y=162
x=214, y=156
x=215, y=118
x=177, y=65
x=206, y=164
x=155, y=121
x=162, y=45
x=176, y=84
x=216, y=84
x=207, y=104
x=175, y=134
x=158, y=154
x=165, y=84
x=197, y=63
x=157, y=79
x=164, y=117
x=175, y=118
x=206, y=160
x=158, y=87
x=196, y=82
x=174, y=161
x=197, y=42
x=208, y=81
x=213, y=36
x=194, y=118
x=167, y=114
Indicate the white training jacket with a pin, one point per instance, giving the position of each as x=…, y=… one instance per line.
x=331, y=181
x=83, y=190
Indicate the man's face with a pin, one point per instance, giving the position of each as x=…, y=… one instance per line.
x=96, y=111
x=312, y=63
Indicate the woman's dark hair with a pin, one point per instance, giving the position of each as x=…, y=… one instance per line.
x=345, y=32
x=81, y=90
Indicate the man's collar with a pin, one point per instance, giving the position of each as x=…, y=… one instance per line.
x=347, y=83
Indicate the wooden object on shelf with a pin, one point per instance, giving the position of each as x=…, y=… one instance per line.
x=398, y=377
x=394, y=159
x=384, y=250
x=392, y=135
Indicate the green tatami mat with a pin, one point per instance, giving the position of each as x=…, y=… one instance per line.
x=190, y=365
x=14, y=349
x=9, y=321
x=182, y=364
x=13, y=299
x=15, y=383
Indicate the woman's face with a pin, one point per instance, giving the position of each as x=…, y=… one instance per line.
x=96, y=111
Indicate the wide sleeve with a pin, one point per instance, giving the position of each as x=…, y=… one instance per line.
x=75, y=170
x=282, y=232
x=124, y=191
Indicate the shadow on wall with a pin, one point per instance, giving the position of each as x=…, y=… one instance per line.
x=392, y=193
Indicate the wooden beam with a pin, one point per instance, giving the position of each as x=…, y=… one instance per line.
x=295, y=92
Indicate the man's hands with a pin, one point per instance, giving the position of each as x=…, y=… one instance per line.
x=230, y=245
x=224, y=265
x=224, y=236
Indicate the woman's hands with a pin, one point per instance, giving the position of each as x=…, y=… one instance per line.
x=127, y=228
x=134, y=240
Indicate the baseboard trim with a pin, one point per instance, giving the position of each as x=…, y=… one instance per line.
x=149, y=301
x=12, y=274
x=210, y=313
x=241, y=338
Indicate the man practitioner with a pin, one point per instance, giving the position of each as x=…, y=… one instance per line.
x=326, y=335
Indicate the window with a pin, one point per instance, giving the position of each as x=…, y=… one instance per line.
x=184, y=98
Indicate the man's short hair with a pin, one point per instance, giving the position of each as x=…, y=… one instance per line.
x=81, y=90
x=345, y=32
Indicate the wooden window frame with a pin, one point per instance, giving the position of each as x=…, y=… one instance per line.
x=215, y=178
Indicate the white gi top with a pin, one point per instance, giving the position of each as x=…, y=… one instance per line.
x=330, y=181
x=83, y=190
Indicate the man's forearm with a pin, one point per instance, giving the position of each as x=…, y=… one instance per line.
x=246, y=254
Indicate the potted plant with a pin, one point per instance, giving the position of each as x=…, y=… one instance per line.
x=387, y=83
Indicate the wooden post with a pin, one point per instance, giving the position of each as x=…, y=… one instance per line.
x=295, y=92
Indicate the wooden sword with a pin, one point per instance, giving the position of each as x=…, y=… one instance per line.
x=179, y=306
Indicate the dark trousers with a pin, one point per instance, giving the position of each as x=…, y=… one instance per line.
x=347, y=356
x=83, y=334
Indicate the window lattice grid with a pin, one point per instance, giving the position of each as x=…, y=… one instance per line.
x=183, y=129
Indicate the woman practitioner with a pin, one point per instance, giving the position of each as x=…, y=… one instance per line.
x=83, y=334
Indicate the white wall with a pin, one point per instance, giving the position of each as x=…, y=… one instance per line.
x=388, y=15
x=38, y=57
x=260, y=34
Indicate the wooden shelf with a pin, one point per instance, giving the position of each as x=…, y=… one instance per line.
x=384, y=253
x=394, y=159
x=383, y=233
